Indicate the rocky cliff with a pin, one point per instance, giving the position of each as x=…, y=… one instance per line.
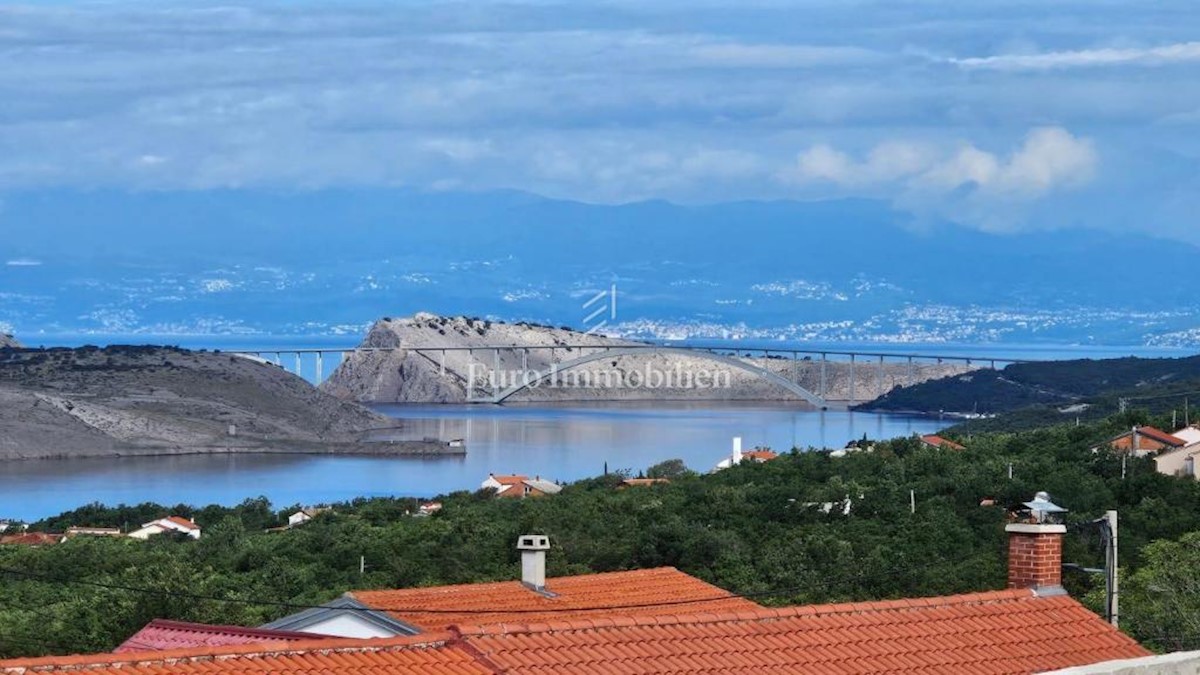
x=403, y=360
x=159, y=400
x=9, y=342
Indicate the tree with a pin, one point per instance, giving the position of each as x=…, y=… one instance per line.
x=670, y=469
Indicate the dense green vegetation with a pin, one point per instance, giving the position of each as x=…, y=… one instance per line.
x=1047, y=386
x=756, y=528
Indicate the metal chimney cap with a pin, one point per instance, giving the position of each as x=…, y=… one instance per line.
x=1041, y=502
x=533, y=542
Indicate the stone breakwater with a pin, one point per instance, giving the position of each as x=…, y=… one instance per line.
x=403, y=372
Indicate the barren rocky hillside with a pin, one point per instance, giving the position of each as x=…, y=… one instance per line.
x=7, y=340
x=409, y=366
x=159, y=400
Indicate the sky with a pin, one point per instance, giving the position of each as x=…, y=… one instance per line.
x=1001, y=116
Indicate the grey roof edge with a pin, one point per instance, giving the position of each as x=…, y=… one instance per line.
x=346, y=604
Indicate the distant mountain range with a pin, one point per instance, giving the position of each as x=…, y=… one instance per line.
x=331, y=261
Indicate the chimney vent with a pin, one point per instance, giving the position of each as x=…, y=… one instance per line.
x=533, y=549
x=1035, y=548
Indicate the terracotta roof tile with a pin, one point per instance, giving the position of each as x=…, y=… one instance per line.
x=162, y=634
x=939, y=442
x=986, y=633
x=631, y=593
x=183, y=522
x=995, y=632
x=1161, y=436
x=423, y=654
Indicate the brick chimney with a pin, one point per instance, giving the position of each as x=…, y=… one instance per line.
x=533, y=549
x=1035, y=555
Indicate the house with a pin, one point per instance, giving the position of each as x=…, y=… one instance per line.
x=757, y=455
x=1178, y=461
x=306, y=514
x=1144, y=440
x=32, y=539
x=1189, y=434
x=428, y=509
x=162, y=634
x=935, y=441
x=519, y=486
x=94, y=532
x=606, y=624
x=173, y=524
x=641, y=482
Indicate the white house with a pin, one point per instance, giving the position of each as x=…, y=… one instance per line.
x=736, y=457
x=168, y=524
x=304, y=515
x=519, y=486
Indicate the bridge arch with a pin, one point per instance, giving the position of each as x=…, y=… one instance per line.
x=616, y=352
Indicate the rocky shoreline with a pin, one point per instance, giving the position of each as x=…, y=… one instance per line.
x=157, y=401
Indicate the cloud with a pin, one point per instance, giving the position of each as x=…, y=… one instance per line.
x=1049, y=158
x=740, y=55
x=966, y=183
x=1183, y=52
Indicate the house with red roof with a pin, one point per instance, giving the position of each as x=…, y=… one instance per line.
x=1145, y=440
x=935, y=441
x=517, y=486
x=32, y=539
x=170, y=524
x=737, y=456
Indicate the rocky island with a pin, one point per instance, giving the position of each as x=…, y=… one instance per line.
x=436, y=359
x=117, y=401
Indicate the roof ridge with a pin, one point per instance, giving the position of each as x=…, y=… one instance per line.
x=483, y=584
x=229, y=628
x=766, y=613
x=259, y=650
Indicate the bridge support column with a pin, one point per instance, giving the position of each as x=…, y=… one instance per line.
x=852, y=382
x=824, y=362
x=298, y=365
x=910, y=372
x=524, y=361
x=320, y=374
x=442, y=364
x=879, y=379
x=495, y=373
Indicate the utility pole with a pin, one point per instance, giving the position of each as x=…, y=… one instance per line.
x=1112, y=568
x=362, y=565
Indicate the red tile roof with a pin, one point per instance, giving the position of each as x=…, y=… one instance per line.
x=31, y=539
x=183, y=522
x=761, y=455
x=997, y=632
x=162, y=634
x=939, y=442
x=418, y=655
x=631, y=593
x=1161, y=436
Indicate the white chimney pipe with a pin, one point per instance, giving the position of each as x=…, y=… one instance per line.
x=533, y=549
x=737, y=451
